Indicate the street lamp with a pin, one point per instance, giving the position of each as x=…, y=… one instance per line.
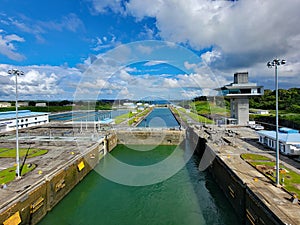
x=17, y=73
x=275, y=63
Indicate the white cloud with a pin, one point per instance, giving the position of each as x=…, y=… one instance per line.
x=125, y=76
x=39, y=82
x=242, y=34
x=234, y=26
x=154, y=62
x=171, y=83
x=211, y=56
x=8, y=48
x=39, y=28
x=101, y=6
x=105, y=43
x=144, y=49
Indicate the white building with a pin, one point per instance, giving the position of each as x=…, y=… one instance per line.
x=41, y=104
x=289, y=140
x=262, y=112
x=5, y=104
x=239, y=93
x=22, y=104
x=129, y=105
x=26, y=118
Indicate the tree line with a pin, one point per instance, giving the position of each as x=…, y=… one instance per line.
x=288, y=100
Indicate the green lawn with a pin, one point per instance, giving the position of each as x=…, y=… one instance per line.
x=123, y=117
x=138, y=116
x=197, y=117
x=249, y=156
x=9, y=174
x=11, y=152
x=288, y=178
x=205, y=107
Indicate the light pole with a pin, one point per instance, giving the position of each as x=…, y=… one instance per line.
x=275, y=63
x=17, y=73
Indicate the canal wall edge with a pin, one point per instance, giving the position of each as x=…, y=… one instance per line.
x=246, y=203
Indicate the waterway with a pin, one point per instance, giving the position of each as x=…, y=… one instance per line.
x=189, y=197
x=160, y=117
x=87, y=115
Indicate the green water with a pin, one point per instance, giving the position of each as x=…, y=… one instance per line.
x=189, y=197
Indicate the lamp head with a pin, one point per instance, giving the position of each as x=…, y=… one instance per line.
x=269, y=64
x=16, y=72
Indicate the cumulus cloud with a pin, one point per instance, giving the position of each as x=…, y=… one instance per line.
x=240, y=34
x=239, y=26
x=40, y=82
x=211, y=56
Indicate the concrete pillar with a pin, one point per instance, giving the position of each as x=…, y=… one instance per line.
x=242, y=110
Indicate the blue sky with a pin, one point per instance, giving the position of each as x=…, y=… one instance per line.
x=56, y=42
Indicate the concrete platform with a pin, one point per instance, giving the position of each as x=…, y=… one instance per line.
x=61, y=149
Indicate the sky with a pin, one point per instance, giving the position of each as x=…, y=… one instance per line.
x=144, y=49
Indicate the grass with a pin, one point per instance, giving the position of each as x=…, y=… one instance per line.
x=288, y=178
x=249, y=156
x=11, y=152
x=138, y=116
x=9, y=174
x=205, y=107
x=123, y=117
x=179, y=114
x=197, y=117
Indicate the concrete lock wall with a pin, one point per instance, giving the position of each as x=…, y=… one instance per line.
x=112, y=142
x=31, y=206
x=248, y=206
x=250, y=209
x=150, y=137
x=230, y=184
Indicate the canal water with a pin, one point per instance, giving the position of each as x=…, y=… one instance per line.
x=159, y=117
x=187, y=198
x=87, y=115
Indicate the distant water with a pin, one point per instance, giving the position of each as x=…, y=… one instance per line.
x=87, y=116
x=189, y=197
x=160, y=117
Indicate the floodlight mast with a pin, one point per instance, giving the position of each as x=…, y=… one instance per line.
x=17, y=73
x=275, y=63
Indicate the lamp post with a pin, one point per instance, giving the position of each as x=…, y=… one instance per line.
x=275, y=63
x=17, y=73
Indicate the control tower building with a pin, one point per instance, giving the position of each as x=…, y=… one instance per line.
x=239, y=93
